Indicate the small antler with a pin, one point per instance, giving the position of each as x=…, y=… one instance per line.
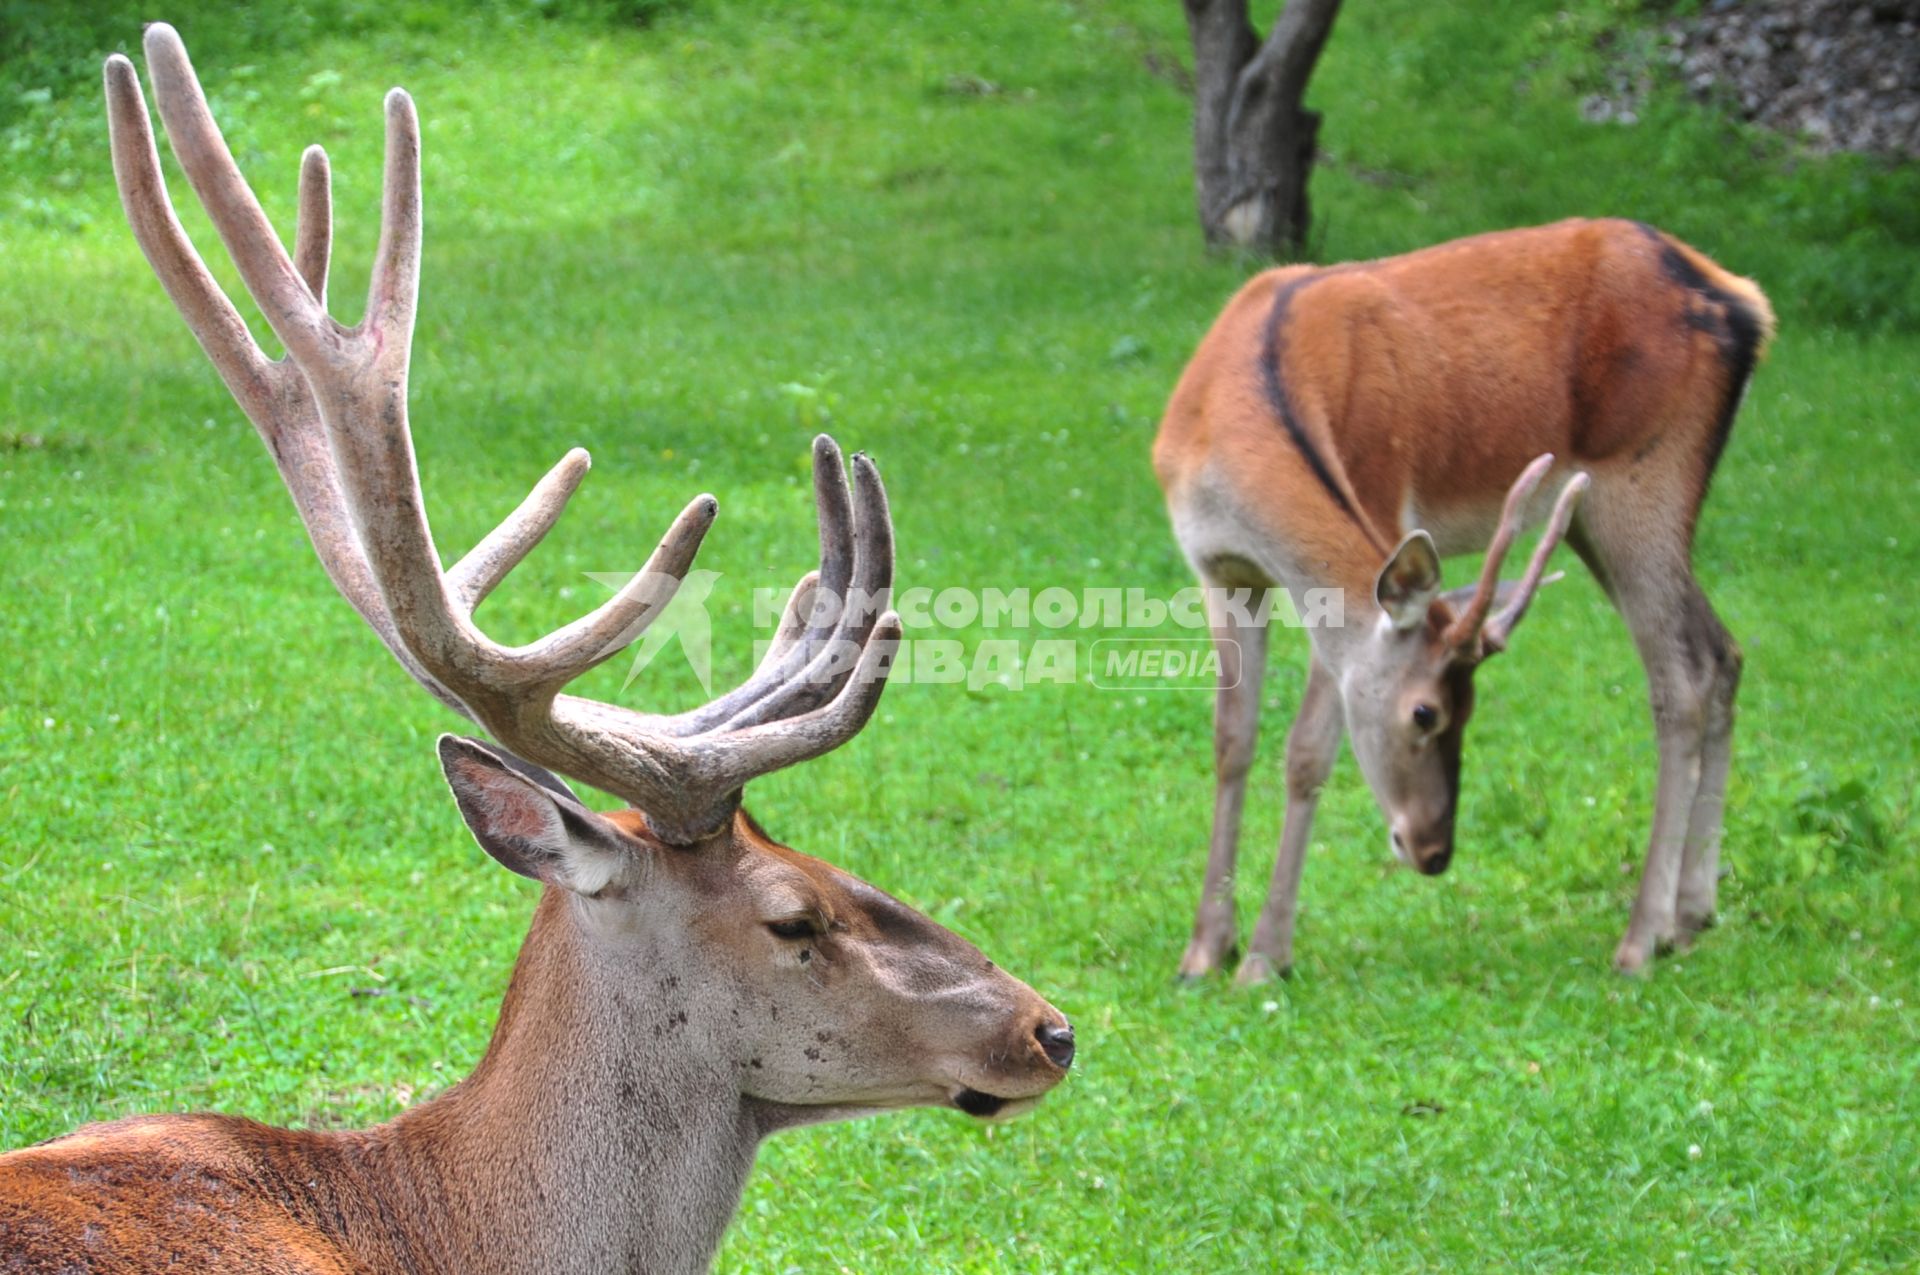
x=333, y=414
x=1493, y=637
x=1473, y=634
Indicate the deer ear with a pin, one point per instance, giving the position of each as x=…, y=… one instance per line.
x=529, y=820
x=1409, y=582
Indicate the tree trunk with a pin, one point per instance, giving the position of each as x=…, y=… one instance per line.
x=1253, y=141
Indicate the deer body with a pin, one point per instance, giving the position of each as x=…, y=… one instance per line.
x=688, y=986
x=1344, y=427
x=606, y=1129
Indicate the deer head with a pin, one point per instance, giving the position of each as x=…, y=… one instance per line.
x=1408, y=684
x=819, y=995
x=810, y=992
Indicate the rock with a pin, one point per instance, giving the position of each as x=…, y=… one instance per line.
x=1840, y=74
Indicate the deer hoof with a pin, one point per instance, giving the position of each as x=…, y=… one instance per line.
x=1257, y=969
x=1632, y=956
x=1204, y=956
x=1693, y=924
x=1686, y=933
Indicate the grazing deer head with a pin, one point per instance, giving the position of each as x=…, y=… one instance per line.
x=688, y=985
x=1407, y=682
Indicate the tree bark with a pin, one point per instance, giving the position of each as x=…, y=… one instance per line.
x=1253, y=141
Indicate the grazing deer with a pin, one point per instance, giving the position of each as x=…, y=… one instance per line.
x=688, y=985
x=1345, y=427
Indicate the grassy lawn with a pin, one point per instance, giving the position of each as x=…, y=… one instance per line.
x=960, y=236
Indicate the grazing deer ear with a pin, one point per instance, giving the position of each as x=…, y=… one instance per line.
x=1409, y=582
x=528, y=819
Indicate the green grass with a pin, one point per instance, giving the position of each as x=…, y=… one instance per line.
x=689, y=246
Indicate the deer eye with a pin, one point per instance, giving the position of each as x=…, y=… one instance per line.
x=1425, y=715
x=794, y=928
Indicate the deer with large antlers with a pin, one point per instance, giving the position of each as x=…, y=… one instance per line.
x=688, y=985
x=1344, y=427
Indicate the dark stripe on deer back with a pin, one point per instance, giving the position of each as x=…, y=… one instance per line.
x=1272, y=350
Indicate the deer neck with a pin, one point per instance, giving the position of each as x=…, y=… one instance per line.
x=1335, y=644
x=593, y=1136
x=1324, y=558
x=1329, y=572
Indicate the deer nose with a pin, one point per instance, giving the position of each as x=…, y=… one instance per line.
x=1056, y=1042
x=1433, y=860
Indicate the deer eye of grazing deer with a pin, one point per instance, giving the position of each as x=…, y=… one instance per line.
x=1425, y=718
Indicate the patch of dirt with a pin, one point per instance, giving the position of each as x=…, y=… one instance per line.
x=1842, y=75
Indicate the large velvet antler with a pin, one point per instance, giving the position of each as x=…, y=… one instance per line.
x=333, y=413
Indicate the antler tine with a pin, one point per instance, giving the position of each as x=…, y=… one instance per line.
x=837, y=549
x=273, y=395
x=793, y=619
x=393, y=293
x=1466, y=629
x=475, y=576
x=1493, y=637
x=602, y=633
x=867, y=597
x=699, y=783
x=313, y=230
x=215, y=324
x=824, y=605
x=276, y=287
x=761, y=749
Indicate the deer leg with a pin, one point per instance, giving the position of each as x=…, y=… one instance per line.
x=1700, y=857
x=1241, y=641
x=1681, y=683
x=1312, y=746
